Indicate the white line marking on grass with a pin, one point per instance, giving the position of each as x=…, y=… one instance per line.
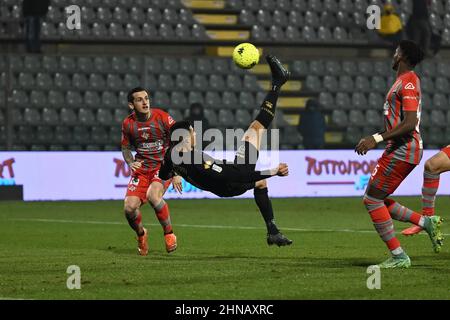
x=205, y=226
x=7, y=298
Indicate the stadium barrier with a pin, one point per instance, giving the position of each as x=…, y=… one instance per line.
x=104, y=175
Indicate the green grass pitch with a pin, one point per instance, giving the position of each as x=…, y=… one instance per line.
x=222, y=253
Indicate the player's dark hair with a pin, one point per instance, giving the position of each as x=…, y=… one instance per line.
x=413, y=53
x=130, y=97
x=184, y=125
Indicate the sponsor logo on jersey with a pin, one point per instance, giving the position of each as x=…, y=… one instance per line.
x=409, y=86
x=135, y=181
x=171, y=120
x=145, y=135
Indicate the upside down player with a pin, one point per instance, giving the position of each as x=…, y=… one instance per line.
x=437, y=164
x=403, y=152
x=147, y=130
x=232, y=179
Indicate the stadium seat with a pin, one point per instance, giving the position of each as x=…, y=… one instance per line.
x=213, y=100
x=220, y=66
x=44, y=81
x=120, y=15
x=276, y=33
x=295, y=19
x=92, y=99
x=373, y=118
x=99, y=135
x=376, y=101
x=49, y=63
x=362, y=84
x=437, y=118
x=120, y=115
x=243, y=118
x=132, y=80
x=234, y=83
x=312, y=19
x=326, y=100
x=342, y=101
x=68, y=116
x=216, y=82
x=226, y=118
x=211, y=115
x=203, y=65
x=186, y=66
x=20, y=98
x=442, y=85
x=346, y=83
x=182, y=31
x=149, y=31
x=439, y=101
x=137, y=15
x=38, y=98
x=44, y=134
x=50, y=116
x=161, y=99
x=309, y=34
x=340, y=34
x=79, y=81
x=356, y=118
x=339, y=118
x=109, y=99
x=350, y=68
x=86, y=116
x=359, y=101
x=178, y=100
x=330, y=83
x=246, y=100
x=26, y=80
x=378, y=84
x=62, y=81
x=280, y=18
x=200, y=82
x=81, y=135
x=313, y=83
x=195, y=96
x=425, y=119
x=427, y=85
x=31, y=116
x=263, y=18
x=166, y=31
x=116, y=30
x=230, y=100
x=324, y=34
x=183, y=82
x=353, y=135
x=258, y=33
x=132, y=31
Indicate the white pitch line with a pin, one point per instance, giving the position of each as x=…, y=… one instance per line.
x=205, y=226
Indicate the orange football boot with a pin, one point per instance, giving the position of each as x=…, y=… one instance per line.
x=142, y=244
x=412, y=231
x=171, y=242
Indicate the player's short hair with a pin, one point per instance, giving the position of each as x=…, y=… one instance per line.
x=130, y=97
x=413, y=53
x=183, y=125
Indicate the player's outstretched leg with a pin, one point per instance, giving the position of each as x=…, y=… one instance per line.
x=434, y=166
x=274, y=236
x=267, y=112
x=383, y=224
x=433, y=228
x=134, y=218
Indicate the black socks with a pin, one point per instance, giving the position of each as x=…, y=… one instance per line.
x=267, y=113
x=265, y=207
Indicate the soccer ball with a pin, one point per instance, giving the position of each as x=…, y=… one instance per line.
x=245, y=55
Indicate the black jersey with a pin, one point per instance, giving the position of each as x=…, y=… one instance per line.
x=217, y=176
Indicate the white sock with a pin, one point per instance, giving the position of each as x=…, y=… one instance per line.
x=422, y=222
x=397, y=251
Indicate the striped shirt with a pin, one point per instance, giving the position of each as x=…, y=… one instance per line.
x=404, y=95
x=150, y=139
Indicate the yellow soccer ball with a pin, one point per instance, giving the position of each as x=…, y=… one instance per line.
x=245, y=55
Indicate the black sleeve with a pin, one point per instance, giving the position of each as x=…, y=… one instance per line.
x=166, y=170
x=231, y=173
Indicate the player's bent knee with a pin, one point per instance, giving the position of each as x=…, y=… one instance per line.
x=432, y=166
x=155, y=194
x=131, y=206
x=261, y=184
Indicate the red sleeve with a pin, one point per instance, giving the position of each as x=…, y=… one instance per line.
x=168, y=120
x=410, y=93
x=125, y=136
